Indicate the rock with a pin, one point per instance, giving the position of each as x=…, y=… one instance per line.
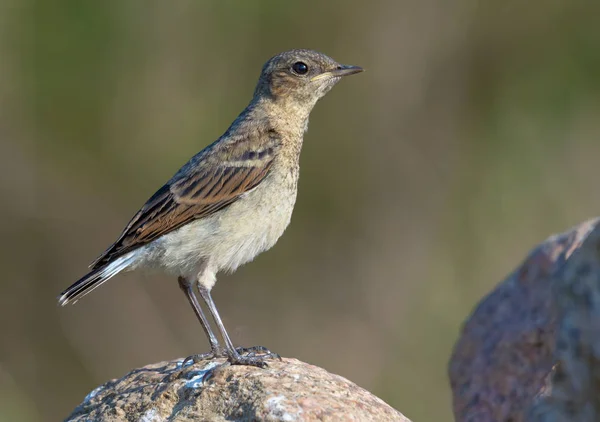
x=572, y=392
x=530, y=349
x=289, y=390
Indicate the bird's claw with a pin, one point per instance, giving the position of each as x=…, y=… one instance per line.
x=203, y=356
x=253, y=356
x=257, y=351
x=258, y=361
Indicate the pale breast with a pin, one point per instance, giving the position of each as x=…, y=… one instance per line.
x=254, y=223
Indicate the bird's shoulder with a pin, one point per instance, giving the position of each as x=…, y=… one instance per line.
x=213, y=179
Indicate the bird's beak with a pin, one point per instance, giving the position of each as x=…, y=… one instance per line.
x=345, y=70
x=341, y=70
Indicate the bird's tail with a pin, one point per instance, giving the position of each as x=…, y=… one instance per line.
x=93, y=280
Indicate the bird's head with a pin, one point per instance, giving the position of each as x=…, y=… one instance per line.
x=301, y=77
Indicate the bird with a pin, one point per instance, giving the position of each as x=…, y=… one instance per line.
x=228, y=203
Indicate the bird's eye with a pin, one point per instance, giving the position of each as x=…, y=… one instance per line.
x=300, y=68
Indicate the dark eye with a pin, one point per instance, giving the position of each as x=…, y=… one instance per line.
x=300, y=68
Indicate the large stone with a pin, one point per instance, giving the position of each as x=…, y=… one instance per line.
x=289, y=390
x=530, y=350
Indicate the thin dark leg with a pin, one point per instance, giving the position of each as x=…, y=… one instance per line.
x=215, y=347
x=234, y=357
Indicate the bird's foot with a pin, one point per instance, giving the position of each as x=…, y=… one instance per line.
x=252, y=356
x=257, y=351
x=258, y=361
x=213, y=354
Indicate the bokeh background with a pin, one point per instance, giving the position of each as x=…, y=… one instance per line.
x=473, y=135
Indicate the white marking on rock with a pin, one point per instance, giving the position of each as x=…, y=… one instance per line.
x=93, y=393
x=151, y=415
x=282, y=411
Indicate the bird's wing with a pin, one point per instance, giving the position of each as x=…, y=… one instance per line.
x=212, y=180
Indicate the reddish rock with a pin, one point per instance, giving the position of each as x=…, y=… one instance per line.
x=507, y=360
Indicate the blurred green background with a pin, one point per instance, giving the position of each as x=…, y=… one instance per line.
x=473, y=135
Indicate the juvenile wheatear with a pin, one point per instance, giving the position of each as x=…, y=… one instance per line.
x=232, y=200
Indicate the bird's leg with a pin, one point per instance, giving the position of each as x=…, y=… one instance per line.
x=215, y=347
x=247, y=356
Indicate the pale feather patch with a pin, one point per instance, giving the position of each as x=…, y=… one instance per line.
x=110, y=271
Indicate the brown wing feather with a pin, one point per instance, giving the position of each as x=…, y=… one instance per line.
x=208, y=183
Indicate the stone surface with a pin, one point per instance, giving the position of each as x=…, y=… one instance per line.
x=526, y=353
x=213, y=391
x=572, y=392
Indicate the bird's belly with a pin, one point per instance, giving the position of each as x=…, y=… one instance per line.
x=233, y=236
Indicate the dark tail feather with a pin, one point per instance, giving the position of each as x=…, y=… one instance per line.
x=94, y=279
x=83, y=286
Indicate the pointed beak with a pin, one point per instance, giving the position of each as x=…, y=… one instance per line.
x=345, y=70
x=341, y=70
